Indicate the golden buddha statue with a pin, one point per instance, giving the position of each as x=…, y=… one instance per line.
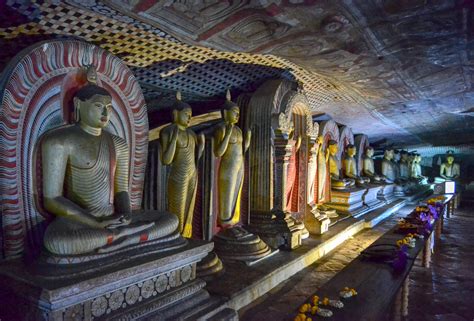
x=388, y=166
x=230, y=146
x=449, y=170
x=336, y=181
x=86, y=185
x=323, y=157
x=178, y=144
x=350, y=166
x=368, y=165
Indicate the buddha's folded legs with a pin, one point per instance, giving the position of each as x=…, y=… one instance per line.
x=66, y=237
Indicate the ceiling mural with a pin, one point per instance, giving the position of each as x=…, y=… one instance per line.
x=401, y=69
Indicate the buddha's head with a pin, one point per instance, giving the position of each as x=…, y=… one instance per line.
x=418, y=158
x=93, y=106
x=369, y=151
x=450, y=157
x=404, y=155
x=396, y=155
x=411, y=157
x=182, y=112
x=388, y=154
x=230, y=110
x=333, y=147
x=351, y=150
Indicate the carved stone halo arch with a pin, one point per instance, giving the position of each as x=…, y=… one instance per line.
x=272, y=108
x=346, y=137
x=33, y=90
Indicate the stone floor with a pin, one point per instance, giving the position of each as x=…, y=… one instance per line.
x=444, y=292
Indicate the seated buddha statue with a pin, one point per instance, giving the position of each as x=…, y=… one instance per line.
x=350, y=166
x=337, y=182
x=404, y=170
x=368, y=166
x=388, y=167
x=416, y=173
x=449, y=170
x=86, y=185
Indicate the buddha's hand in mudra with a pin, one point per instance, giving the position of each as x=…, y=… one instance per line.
x=116, y=221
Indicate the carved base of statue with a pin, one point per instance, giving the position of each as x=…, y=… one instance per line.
x=370, y=198
x=348, y=201
x=237, y=244
x=386, y=194
x=316, y=222
x=209, y=267
x=277, y=228
x=328, y=212
x=160, y=284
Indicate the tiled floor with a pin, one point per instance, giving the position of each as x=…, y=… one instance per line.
x=444, y=292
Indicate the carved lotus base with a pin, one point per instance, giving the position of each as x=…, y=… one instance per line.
x=237, y=244
x=209, y=267
x=163, y=284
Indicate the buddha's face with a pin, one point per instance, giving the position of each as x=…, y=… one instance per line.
x=351, y=151
x=183, y=117
x=369, y=152
x=450, y=159
x=389, y=154
x=405, y=157
x=95, y=111
x=232, y=115
x=333, y=149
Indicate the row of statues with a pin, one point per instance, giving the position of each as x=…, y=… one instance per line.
x=85, y=172
x=86, y=176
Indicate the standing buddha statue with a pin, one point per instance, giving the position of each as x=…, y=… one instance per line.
x=292, y=173
x=85, y=172
x=179, y=144
x=230, y=146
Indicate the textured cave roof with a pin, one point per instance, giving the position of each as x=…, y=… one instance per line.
x=395, y=69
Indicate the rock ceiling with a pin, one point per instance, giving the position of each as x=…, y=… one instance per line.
x=400, y=69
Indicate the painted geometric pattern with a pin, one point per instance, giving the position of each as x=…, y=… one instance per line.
x=159, y=61
x=33, y=102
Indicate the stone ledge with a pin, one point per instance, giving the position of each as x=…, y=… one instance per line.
x=257, y=280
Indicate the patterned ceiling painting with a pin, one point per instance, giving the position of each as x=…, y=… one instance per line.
x=398, y=69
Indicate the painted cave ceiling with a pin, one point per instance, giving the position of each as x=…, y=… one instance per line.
x=396, y=69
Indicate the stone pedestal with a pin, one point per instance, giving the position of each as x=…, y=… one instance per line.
x=348, y=201
x=162, y=285
x=386, y=194
x=316, y=222
x=277, y=228
x=237, y=244
x=370, y=198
